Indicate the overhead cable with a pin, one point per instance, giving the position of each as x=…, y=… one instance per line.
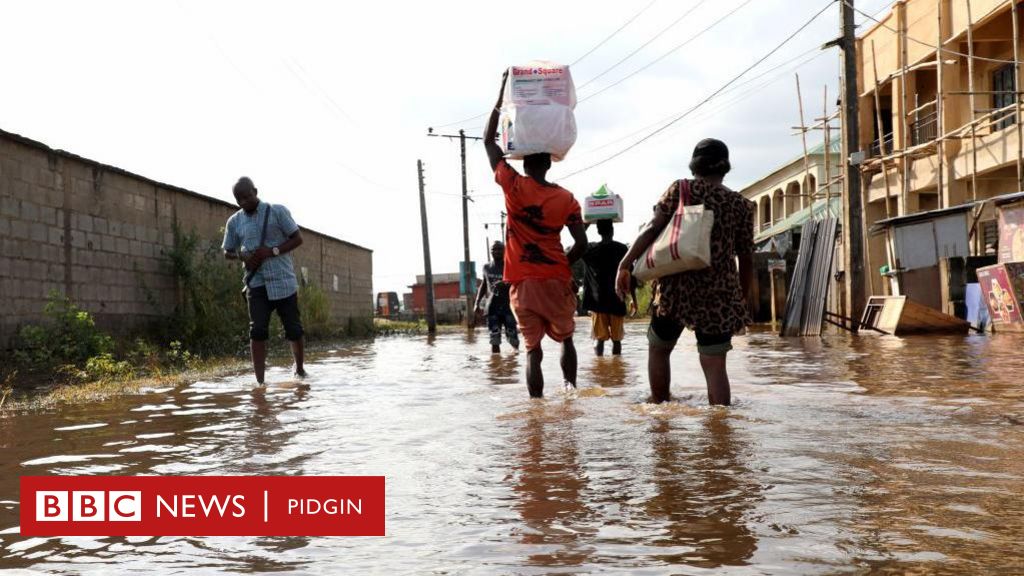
x=667, y=54
x=709, y=97
x=644, y=45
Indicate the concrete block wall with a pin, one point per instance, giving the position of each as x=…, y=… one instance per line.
x=99, y=234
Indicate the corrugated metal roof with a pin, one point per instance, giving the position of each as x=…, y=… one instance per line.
x=798, y=219
x=1008, y=198
x=919, y=216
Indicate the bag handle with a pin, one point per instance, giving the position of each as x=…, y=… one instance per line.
x=684, y=193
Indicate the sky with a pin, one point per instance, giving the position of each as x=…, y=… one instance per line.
x=326, y=105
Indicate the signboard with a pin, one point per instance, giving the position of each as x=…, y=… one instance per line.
x=462, y=278
x=998, y=294
x=775, y=265
x=1011, y=234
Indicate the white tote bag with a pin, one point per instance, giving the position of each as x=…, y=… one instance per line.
x=684, y=245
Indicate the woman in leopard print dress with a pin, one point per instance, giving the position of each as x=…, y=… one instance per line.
x=711, y=301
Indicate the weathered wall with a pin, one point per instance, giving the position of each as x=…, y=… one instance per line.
x=98, y=234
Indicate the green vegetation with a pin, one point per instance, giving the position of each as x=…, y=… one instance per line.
x=207, y=330
x=643, y=296
x=386, y=327
x=210, y=313
x=69, y=336
x=316, y=314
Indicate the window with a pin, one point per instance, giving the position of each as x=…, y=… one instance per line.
x=1004, y=93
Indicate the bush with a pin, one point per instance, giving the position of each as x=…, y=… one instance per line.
x=68, y=336
x=644, y=294
x=179, y=357
x=211, y=314
x=315, y=309
x=104, y=367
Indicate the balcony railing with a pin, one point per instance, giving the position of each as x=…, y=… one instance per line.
x=876, y=148
x=925, y=127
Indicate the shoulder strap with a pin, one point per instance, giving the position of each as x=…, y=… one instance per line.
x=266, y=220
x=684, y=193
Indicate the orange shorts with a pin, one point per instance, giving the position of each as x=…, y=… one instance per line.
x=607, y=327
x=544, y=307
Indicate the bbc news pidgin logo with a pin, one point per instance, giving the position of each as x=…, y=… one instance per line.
x=202, y=506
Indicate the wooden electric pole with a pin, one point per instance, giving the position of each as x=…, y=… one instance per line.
x=428, y=275
x=467, y=277
x=853, y=209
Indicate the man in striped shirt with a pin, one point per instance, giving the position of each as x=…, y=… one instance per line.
x=270, y=275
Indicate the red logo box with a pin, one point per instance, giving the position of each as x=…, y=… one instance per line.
x=202, y=505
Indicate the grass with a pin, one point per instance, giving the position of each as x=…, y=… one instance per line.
x=386, y=327
x=95, y=390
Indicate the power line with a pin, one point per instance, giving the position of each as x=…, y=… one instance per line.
x=667, y=54
x=588, y=53
x=816, y=49
x=645, y=44
x=711, y=96
x=613, y=34
x=925, y=44
x=317, y=86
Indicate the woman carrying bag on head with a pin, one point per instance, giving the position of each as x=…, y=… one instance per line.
x=710, y=297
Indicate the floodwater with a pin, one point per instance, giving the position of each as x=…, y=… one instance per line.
x=871, y=454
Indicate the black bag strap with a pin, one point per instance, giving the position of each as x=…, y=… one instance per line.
x=263, y=239
x=266, y=220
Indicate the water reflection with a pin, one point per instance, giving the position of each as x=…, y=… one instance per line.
x=880, y=454
x=550, y=486
x=702, y=493
x=608, y=372
x=504, y=369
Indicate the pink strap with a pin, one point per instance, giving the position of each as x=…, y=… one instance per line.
x=684, y=194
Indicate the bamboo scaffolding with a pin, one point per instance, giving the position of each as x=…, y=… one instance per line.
x=803, y=138
x=904, y=132
x=971, y=102
x=1016, y=99
x=939, y=108
x=981, y=123
x=828, y=153
x=881, y=136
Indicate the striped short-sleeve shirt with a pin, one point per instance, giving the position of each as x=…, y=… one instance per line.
x=242, y=234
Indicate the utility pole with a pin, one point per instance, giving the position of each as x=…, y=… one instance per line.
x=487, y=227
x=466, y=276
x=853, y=212
x=428, y=274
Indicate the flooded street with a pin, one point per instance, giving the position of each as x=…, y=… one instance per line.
x=840, y=455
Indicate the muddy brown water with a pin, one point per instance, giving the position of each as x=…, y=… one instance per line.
x=869, y=454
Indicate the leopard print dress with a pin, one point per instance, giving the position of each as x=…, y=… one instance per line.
x=709, y=300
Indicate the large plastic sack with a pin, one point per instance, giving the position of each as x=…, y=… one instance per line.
x=537, y=111
x=603, y=205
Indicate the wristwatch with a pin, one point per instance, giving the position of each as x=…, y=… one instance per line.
x=276, y=251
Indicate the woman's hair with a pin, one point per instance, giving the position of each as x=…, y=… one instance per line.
x=710, y=158
x=709, y=166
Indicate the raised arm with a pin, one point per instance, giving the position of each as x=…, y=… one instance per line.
x=494, y=153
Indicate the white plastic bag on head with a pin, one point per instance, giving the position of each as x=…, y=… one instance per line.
x=537, y=111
